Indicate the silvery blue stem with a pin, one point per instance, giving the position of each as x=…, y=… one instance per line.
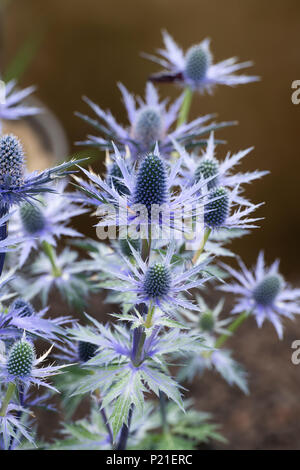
x=125, y=432
x=3, y=235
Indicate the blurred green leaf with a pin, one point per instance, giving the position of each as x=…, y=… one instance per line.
x=24, y=56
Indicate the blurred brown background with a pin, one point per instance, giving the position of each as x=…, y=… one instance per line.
x=87, y=46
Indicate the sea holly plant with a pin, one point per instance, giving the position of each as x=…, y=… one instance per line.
x=165, y=211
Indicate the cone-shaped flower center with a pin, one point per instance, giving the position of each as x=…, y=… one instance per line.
x=32, y=218
x=113, y=180
x=267, y=290
x=151, y=184
x=127, y=243
x=148, y=127
x=197, y=61
x=157, y=280
x=20, y=359
x=207, y=169
x=86, y=351
x=25, y=309
x=216, y=212
x=11, y=162
x=207, y=321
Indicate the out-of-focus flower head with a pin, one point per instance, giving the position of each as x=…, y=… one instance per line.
x=15, y=186
x=68, y=278
x=263, y=293
x=195, y=68
x=22, y=366
x=45, y=220
x=160, y=282
x=150, y=122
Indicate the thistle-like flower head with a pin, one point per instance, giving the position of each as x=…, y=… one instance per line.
x=267, y=290
x=151, y=185
x=12, y=162
x=15, y=187
x=207, y=321
x=151, y=196
x=23, y=366
x=157, y=281
x=217, y=211
x=263, y=293
x=208, y=169
x=216, y=172
x=32, y=217
x=148, y=127
x=195, y=68
x=198, y=59
x=45, y=219
x=86, y=351
x=150, y=121
x=20, y=360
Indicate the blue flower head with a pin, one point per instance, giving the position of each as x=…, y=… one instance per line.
x=47, y=218
x=195, y=68
x=150, y=121
x=22, y=365
x=157, y=282
x=148, y=127
x=12, y=162
x=151, y=182
x=263, y=293
x=217, y=172
x=198, y=59
x=151, y=196
x=15, y=186
x=160, y=281
x=267, y=290
x=32, y=218
x=217, y=211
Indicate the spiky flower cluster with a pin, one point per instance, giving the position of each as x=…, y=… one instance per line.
x=148, y=127
x=207, y=321
x=20, y=359
x=32, y=218
x=217, y=210
x=208, y=169
x=12, y=162
x=267, y=290
x=197, y=61
x=151, y=184
x=157, y=281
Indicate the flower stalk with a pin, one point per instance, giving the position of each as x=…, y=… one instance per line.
x=6, y=400
x=49, y=251
x=185, y=107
